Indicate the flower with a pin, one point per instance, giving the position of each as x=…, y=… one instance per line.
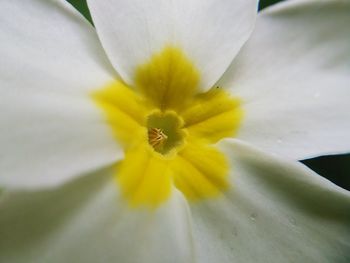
x=187, y=154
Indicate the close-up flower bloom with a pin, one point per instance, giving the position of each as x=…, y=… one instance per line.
x=171, y=131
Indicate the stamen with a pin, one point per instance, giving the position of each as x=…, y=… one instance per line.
x=156, y=137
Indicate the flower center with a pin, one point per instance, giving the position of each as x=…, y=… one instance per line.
x=164, y=131
x=168, y=130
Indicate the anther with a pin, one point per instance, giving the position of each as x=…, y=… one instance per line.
x=156, y=137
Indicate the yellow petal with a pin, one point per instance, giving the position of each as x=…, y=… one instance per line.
x=213, y=115
x=168, y=80
x=200, y=171
x=124, y=110
x=144, y=177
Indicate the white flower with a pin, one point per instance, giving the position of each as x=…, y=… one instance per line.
x=211, y=177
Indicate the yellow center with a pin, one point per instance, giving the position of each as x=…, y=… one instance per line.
x=168, y=131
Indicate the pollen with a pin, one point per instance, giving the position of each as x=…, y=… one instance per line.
x=168, y=130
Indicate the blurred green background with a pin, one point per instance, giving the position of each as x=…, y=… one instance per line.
x=335, y=168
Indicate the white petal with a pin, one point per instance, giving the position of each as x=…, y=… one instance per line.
x=85, y=221
x=276, y=211
x=210, y=32
x=294, y=77
x=50, y=61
